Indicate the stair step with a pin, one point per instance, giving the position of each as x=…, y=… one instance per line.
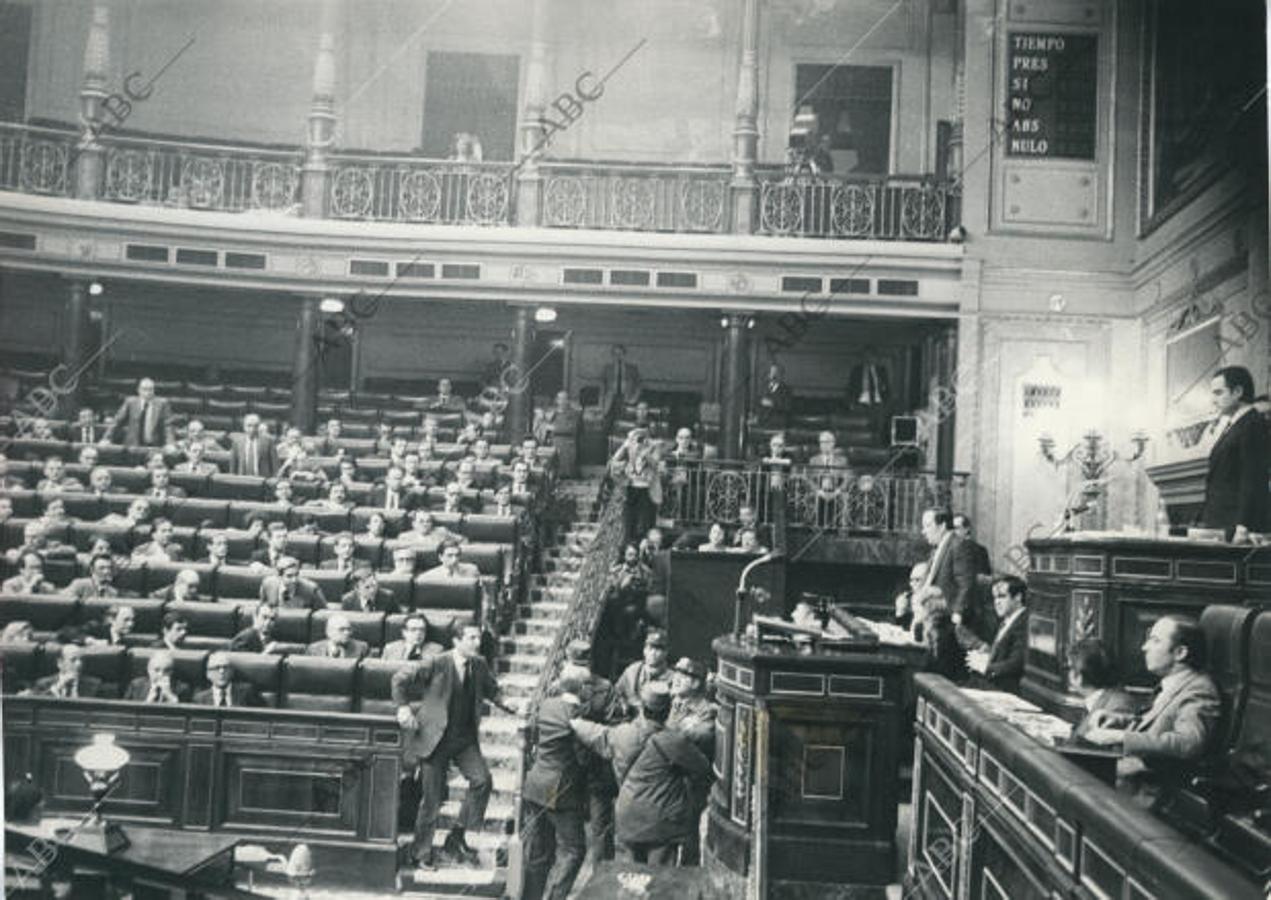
x=538, y=627
x=505, y=785
x=527, y=663
x=498, y=814
x=530, y=642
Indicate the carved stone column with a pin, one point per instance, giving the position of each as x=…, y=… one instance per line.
x=75, y=352
x=528, y=178
x=735, y=390
x=304, y=367
x=517, y=379
x=319, y=138
x=89, y=158
x=746, y=128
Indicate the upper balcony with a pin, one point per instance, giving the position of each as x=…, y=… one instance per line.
x=557, y=194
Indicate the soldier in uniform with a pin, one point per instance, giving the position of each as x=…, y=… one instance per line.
x=693, y=715
x=652, y=667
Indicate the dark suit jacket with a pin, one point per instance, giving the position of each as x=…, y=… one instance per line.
x=241, y=694
x=609, y=384
x=128, y=423
x=980, y=553
x=955, y=576
x=307, y=594
x=262, y=556
x=355, y=650
x=1236, y=490
x=139, y=690
x=248, y=641
x=1006, y=658
x=426, y=686
x=383, y=602
x=88, y=686
x=406, y=498
x=558, y=778
x=777, y=410
x=856, y=382
x=266, y=455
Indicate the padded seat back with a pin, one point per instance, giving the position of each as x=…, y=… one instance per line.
x=333, y=584
x=1252, y=743
x=44, y=612
x=328, y=520
x=187, y=665
x=20, y=666
x=210, y=620
x=292, y=626
x=161, y=574
x=402, y=587
x=1227, y=630
x=240, y=510
x=367, y=626
x=461, y=594
x=149, y=613
x=375, y=694
x=238, y=582
x=315, y=683
x=261, y=670
x=26, y=503
x=370, y=550
x=241, y=544
x=492, y=529
x=304, y=547
x=82, y=535
x=83, y=506
x=132, y=480
x=236, y=487
x=130, y=576
x=200, y=512
x=193, y=484
x=488, y=558
x=107, y=664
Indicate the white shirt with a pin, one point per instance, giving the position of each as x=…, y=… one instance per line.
x=1226, y=421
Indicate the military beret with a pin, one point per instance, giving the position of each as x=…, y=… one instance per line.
x=655, y=697
x=655, y=638
x=691, y=667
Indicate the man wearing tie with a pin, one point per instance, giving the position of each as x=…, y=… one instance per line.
x=252, y=452
x=1237, y=498
x=340, y=643
x=952, y=569
x=142, y=421
x=412, y=645
x=158, y=685
x=439, y=709
x=1002, y=665
x=223, y=690
x=367, y=595
x=86, y=429
x=619, y=385
x=287, y=590
x=392, y=494
x=69, y=682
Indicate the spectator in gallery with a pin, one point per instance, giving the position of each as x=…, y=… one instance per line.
x=716, y=540
x=775, y=399
x=465, y=147
x=619, y=385
x=1092, y=676
x=1162, y=746
x=749, y=541
x=492, y=373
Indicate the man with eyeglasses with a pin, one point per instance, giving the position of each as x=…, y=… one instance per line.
x=158, y=685
x=223, y=689
x=367, y=595
x=413, y=644
x=340, y=642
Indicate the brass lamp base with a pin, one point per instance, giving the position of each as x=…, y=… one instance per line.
x=100, y=837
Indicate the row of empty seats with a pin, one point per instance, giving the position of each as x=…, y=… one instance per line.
x=284, y=682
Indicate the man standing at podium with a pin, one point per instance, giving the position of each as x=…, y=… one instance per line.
x=1236, y=493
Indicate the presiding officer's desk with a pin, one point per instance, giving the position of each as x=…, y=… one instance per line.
x=998, y=814
x=1111, y=587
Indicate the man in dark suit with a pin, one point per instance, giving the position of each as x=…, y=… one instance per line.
x=275, y=547
x=1002, y=666
x=962, y=528
x=252, y=452
x=868, y=384
x=952, y=569
x=775, y=399
x=1237, y=498
x=258, y=637
x=174, y=629
x=142, y=421
x=340, y=642
x=1162, y=745
x=367, y=595
x=439, y=709
x=287, y=590
x=555, y=794
x=86, y=430
x=619, y=385
x=183, y=589
x=98, y=583
x=392, y=494
x=222, y=689
x=69, y=682
x=161, y=486
x=413, y=644
x=158, y=685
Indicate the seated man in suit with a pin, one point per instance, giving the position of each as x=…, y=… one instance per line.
x=101, y=483
x=138, y=514
x=424, y=531
x=98, y=583
x=451, y=567
x=158, y=685
x=195, y=464
x=287, y=590
x=405, y=558
x=183, y=589
x=445, y=399
x=114, y=629
x=1161, y=745
x=343, y=561
x=218, y=549
x=258, y=637
x=30, y=579
x=223, y=689
x=69, y=682
x=196, y=435
x=367, y=595
x=413, y=644
x=55, y=478
x=161, y=487
x=392, y=494
x=88, y=456
x=1091, y=676
x=502, y=505
x=904, y=615
x=458, y=501
x=35, y=539
x=160, y=547
x=328, y=443
x=275, y=547
x=339, y=643
x=336, y=500
x=1002, y=665
x=172, y=631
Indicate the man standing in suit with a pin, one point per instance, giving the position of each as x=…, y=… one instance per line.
x=142, y=421
x=223, y=689
x=158, y=685
x=412, y=645
x=339, y=643
x=1002, y=665
x=555, y=795
x=287, y=590
x=69, y=682
x=257, y=637
x=252, y=452
x=775, y=399
x=439, y=709
x=367, y=595
x=619, y=385
x=962, y=528
x=1162, y=745
x=1237, y=498
x=952, y=569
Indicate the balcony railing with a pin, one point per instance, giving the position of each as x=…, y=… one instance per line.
x=37, y=160
x=630, y=197
x=410, y=189
x=831, y=499
x=893, y=208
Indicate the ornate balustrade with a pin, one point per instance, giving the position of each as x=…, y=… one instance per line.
x=895, y=208
x=200, y=176
x=410, y=189
x=633, y=197
x=827, y=498
x=37, y=160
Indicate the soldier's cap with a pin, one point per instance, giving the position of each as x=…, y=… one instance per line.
x=655, y=638
x=655, y=697
x=578, y=652
x=691, y=667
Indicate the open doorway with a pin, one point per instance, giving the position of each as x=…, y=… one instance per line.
x=549, y=364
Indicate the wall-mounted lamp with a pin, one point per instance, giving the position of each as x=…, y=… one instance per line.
x=95, y=288
x=545, y=315
x=331, y=305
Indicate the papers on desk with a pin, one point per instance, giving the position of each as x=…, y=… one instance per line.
x=890, y=633
x=1027, y=717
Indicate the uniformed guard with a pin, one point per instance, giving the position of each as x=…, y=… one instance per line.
x=693, y=715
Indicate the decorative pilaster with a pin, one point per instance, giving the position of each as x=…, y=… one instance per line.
x=735, y=390
x=75, y=347
x=746, y=127
x=304, y=367
x=320, y=136
x=528, y=178
x=89, y=158
x=517, y=380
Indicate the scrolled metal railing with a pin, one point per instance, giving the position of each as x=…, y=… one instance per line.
x=896, y=207
x=410, y=189
x=37, y=160
x=635, y=197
